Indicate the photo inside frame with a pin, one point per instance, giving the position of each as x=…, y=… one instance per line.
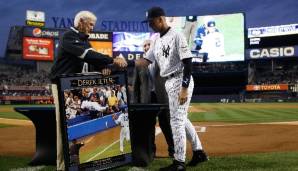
x=94, y=114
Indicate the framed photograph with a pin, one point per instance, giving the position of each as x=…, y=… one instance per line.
x=94, y=121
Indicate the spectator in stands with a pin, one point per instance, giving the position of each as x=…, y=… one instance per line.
x=101, y=94
x=121, y=95
x=84, y=94
x=75, y=106
x=94, y=93
x=113, y=101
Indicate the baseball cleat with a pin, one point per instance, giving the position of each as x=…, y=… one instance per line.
x=199, y=156
x=175, y=166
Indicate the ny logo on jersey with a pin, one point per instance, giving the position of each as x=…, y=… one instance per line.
x=165, y=51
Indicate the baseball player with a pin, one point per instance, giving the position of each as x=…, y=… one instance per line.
x=123, y=121
x=150, y=87
x=189, y=29
x=209, y=41
x=170, y=51
x=93, y=107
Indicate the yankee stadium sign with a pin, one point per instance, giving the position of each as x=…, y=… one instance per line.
x=274, y=52
x=104, y=25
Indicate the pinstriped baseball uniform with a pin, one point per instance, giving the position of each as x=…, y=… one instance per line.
x=169, y=51
x=124, y=133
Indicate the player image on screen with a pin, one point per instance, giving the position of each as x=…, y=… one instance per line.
x=214, y=38
x=123, y=121
x=210, y=41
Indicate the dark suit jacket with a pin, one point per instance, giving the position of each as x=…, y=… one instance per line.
x=141, y=86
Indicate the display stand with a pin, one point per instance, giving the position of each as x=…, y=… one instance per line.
x=44, y=121
x=142, y=125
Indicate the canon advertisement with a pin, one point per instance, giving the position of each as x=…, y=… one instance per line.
x=38, y=49
x=272, y=52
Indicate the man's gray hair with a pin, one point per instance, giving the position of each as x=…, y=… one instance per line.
x=84, y=15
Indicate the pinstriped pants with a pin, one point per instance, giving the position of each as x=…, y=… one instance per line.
x=182, y=128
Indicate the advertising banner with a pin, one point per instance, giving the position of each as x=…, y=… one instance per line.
x=35, y=18
x=268, y=87
x=272, y=52
x=38, y=49
x=129, y=55
x=101, y=36
x=42, y=32
x=272, y=30
x=102, y=47
x=102, y=42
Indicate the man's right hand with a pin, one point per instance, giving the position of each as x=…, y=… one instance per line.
x=142, y=63
x=120, y=62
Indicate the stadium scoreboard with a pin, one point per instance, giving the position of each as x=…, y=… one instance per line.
x=272, y=42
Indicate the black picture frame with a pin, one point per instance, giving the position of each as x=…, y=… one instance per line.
x=90, y=132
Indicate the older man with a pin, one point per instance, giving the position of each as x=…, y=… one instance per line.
x=74, y=53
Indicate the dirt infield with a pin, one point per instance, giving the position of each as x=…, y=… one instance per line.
x=92, y=142
x=229, y=139
x=218, y=140
x=17, y=141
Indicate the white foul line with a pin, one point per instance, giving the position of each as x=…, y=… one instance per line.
x=157, y=131
x=103, y=150
x=88, y=140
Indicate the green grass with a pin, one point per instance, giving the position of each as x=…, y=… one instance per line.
x=211, y=112
x=266, y=161
x=4, y=125
x=244, y=112
x=285, y=161
x=21, y=163
x=7, y=111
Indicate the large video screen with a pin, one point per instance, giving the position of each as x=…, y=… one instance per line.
x=130, y=41
x=213, y=38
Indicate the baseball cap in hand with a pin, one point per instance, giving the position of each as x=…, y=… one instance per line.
x=153, y=13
